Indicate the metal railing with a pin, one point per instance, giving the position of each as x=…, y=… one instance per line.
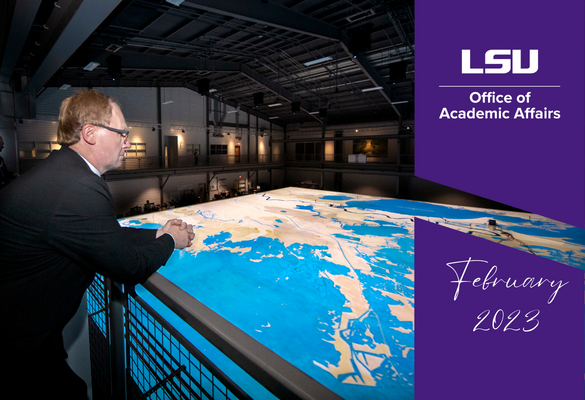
x=157, y=362
x=133, y=163
x=149, y=162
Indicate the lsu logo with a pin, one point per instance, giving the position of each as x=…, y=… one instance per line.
x=501, y=65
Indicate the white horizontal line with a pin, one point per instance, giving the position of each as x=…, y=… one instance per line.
x=488, y=86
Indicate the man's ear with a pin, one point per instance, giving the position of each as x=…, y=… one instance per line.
x=89, y=134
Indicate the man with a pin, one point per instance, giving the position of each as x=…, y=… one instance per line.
x=5, y=175
x=57, y=229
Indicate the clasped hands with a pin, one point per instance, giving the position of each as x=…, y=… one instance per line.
x=180, y=231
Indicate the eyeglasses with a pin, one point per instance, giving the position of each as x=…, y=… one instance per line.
x=125, y=134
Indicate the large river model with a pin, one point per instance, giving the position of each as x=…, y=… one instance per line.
x=326, y=280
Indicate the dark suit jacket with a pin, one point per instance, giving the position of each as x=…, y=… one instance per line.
x=5, y=175
x=57, y=229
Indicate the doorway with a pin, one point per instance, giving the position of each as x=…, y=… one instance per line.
x=237, y=154
x=172, y=150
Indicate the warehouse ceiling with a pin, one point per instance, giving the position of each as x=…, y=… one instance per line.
x=251, y=54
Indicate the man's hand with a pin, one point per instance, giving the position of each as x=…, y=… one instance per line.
x=180, y=231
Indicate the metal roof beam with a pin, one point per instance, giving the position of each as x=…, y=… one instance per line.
x=84, y=22
x=22, y=20
x=268, y=14
x=283, y=18
x=140, y=61
x=376, y=79
x=243, y=108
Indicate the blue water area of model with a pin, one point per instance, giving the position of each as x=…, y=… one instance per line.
x=135, y=223
x=216, y=239
x=421, y=209
x=376, y=228
x=528, y=226
x=539, y=228
x=274, y=291
x=337, y=198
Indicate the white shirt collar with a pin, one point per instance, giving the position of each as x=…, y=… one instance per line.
x=94, y=169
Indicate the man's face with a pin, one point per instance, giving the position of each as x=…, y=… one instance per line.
x=112, y=145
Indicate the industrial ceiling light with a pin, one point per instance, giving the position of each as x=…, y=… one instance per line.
x=272, y=117
x=274, y=105
x=360, y=15
x=203, y=86
x=114, y=66
x=168, y=102
x=91, y=66
x=65, y=86
x=212, y=90
x=372, y=88
x=175, y=2
x=258, y=99
x=320, y=60
x=295, y=106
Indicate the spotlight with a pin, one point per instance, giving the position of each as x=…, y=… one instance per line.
x=182, y=130
x=91, y=66
x=295, y=106
x=153, y=129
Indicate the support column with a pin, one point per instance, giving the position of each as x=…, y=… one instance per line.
x=338, y=183
x=338, y=148
x=117, y=348
x=8, y=127
x=161, y=143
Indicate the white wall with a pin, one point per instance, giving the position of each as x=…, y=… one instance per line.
x=187, y=108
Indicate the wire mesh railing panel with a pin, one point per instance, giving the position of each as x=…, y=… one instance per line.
x=99, y=342
x=160, y=362
x=161, y=365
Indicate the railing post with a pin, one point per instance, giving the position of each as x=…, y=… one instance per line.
x=117, y=356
